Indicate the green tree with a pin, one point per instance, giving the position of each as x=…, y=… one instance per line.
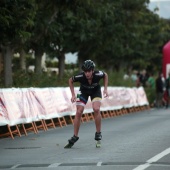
x=15, y=23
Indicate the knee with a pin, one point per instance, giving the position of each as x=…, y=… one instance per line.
x=78, y=114
x=96, y=110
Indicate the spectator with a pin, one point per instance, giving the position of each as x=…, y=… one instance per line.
x=159, y=90
x=138, y=83
x=134, y=75
x=167, y=84
x=143, y=78
x=164, y=90
x=125, y=76
x=151, y=81
x=163, y=80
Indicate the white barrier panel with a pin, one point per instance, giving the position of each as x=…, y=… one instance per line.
x=12, y=100
x=141, y=96
x=117, y=99
x=3, y=114
x=45, y=102
x=62, y=99
x=23, y=105
x=120, y=97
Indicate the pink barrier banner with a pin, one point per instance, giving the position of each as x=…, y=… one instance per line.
x=116, y=100
x=133, y=97
x=44, y=100
x=24, y=102
x=62, y=101
x=23, y=105
x=141, y=96
x=12, y=99
x=3, y=114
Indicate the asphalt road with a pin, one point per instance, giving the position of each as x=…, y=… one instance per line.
x=135, y=141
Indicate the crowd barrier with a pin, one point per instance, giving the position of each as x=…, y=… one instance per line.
x=31, y=109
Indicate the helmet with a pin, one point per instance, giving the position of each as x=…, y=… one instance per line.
x=88, y=65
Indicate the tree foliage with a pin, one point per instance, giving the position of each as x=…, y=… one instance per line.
x=16, y=20
x=114, y=34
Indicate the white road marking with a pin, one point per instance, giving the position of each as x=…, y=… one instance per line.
x=159, y=156
x=153, y=159
x=85, y=158
x=142, y=167
x=54, y=165
x=15, y=166
x=99, y=163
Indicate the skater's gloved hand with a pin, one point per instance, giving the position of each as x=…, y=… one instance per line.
x=73, y=99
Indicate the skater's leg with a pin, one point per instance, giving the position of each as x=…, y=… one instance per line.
x=97, y=116
x=77, y=119
x=77, y=122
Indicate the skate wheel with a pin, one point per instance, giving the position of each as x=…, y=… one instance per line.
x=68, y=146
x=98, y=144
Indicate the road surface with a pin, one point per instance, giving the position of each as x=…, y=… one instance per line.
x=135, y=141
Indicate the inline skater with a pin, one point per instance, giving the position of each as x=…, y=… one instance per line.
x=89, y=87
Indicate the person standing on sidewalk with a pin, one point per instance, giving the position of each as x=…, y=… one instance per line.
x=159, y=90
x=167, y=83
x=89, y=87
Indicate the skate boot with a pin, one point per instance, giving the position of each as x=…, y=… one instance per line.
x=71, y=141
x=98, y=138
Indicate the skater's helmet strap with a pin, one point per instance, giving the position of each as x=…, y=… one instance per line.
x=88, y=65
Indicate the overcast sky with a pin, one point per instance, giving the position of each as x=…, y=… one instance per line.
x=164, y=7
x=71, y=58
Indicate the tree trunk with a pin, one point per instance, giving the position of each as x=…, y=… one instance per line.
x=1, y=63
x=38, y=58
x=80, y=62
x=7, y=54
x=61, y=64
x=23, y=60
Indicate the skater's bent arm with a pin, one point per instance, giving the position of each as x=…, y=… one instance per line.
x=105, y=79
x=70, y=82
